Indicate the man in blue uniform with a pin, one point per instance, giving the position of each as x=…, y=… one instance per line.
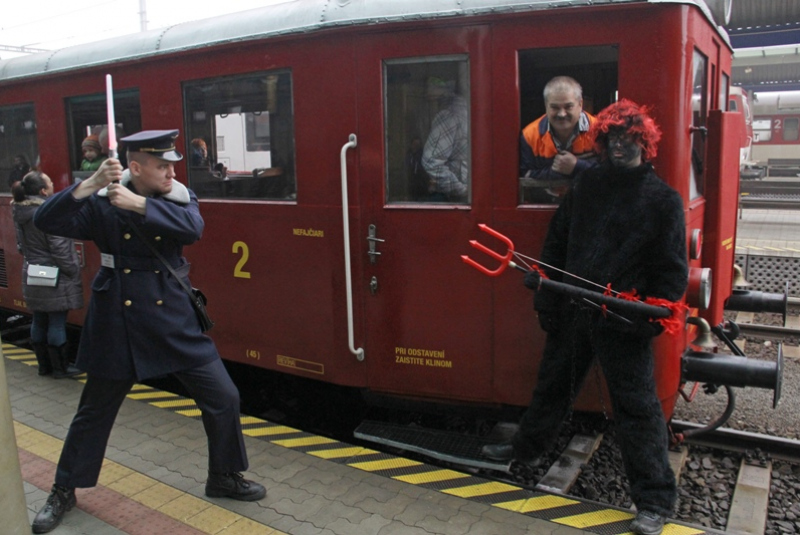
x=140, y=323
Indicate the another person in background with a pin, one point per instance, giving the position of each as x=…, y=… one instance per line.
x=199, y=157
x=19, y=169
x=49, y=305
x=623, y=226
x=445, y=156
x=556, y=146
x=92, y=154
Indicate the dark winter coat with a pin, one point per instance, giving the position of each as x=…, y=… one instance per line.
x=140, y=322
x=620, y=226
x=49, y=250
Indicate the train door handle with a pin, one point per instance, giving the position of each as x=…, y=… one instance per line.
x=372, y=240
x=373, y=285
x=352, y=142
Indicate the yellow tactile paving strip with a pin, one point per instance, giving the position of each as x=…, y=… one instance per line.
x=591, y=517
x=200, y=514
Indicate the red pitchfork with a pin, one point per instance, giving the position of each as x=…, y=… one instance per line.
x=505, y=260
x=595, y=299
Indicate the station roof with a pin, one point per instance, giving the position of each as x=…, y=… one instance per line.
x=765, y=35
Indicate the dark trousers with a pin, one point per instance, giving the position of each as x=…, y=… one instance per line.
x=627, y=363
x=209, y=385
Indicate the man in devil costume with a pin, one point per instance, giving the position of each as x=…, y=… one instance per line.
x=621, y=225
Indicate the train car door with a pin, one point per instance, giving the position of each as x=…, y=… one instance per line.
x=423, y=141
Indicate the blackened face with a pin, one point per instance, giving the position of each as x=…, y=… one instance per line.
x=623, y=150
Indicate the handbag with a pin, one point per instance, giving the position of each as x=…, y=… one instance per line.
x=199, y=301
x=196, y=297
x=42, y=275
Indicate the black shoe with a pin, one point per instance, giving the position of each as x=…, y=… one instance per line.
x=233, y=485
x=505, y=452
x=498, y=452
x=60, y=501
x=648, y=523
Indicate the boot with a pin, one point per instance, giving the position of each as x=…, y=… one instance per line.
x=60, y=361
x=43, y=358
x=60, y=501
x=233, y=485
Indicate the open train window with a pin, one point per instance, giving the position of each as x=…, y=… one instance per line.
x=427, y=130
x=724, y=89
x=699, y=113
x=18, y=143
x=595, y=69
x=88, y=116
x=240, y=137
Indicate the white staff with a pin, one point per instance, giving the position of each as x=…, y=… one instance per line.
x=112, y=125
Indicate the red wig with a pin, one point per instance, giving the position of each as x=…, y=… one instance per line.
x=631, y=118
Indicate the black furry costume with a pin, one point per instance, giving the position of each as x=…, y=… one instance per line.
x=624, y=227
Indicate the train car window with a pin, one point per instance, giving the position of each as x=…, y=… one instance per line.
x=791, y=129
x=724, y=88
x=762, y=130
x=240, y=137
x=87, y=118
x=19, y=148
x=595, y=68
x=699, y=112
x=427, y=103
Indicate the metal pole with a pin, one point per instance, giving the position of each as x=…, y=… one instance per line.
x=13, y=509
x=143, y=15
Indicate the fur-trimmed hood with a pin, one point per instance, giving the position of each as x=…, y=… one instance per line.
x=179, y=193
x=30, y=201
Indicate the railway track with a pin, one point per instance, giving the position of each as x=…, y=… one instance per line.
x=770, y=194
x=727, y=480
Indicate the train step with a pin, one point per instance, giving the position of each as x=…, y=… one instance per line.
x=446, y=446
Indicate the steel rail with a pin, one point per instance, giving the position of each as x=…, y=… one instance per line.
x=769, y=187
x=773, y=332
x=778, y=447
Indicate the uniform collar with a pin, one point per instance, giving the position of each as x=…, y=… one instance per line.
x=179, y=193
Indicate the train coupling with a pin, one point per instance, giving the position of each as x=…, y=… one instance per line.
x=754, y=301
x=734, y=370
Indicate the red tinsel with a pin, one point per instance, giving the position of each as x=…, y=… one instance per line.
x=540, y=271
x=671, y=324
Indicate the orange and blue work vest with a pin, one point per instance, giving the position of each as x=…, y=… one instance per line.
x=538, y=148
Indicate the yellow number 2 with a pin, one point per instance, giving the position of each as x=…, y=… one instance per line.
x=238, y=272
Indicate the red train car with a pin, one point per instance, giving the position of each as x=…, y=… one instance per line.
x=302, y=102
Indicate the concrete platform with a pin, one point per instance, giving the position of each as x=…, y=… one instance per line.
x=154, y=474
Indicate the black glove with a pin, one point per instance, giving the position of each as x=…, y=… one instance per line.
x=548, y=321
x=532, y=279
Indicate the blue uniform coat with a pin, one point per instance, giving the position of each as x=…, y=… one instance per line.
x=140, y=322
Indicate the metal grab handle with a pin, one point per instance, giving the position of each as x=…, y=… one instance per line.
x=359, y=353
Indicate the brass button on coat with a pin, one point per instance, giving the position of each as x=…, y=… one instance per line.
x=128, y=303
x=158, y=238
x=159, y=302
x=126, y=236
x=126, y=270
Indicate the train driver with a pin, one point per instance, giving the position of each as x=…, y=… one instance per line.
x=140, y=322
x=557, y=146
x=641, y=247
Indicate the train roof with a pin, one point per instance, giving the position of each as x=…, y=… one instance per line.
x=287, y=18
